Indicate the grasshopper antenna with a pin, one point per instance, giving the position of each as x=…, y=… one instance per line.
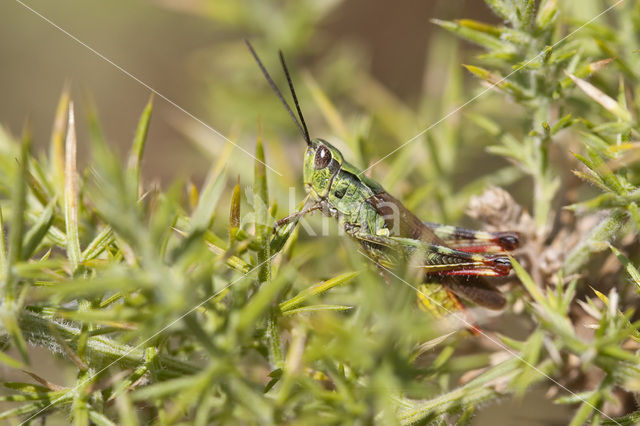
x=301, y=127
x=295, y=98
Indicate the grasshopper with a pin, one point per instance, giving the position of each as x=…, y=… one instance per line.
x=452, y=261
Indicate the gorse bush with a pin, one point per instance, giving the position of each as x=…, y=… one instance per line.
x=182, y=305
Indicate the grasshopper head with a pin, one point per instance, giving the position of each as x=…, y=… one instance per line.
x=322, y=160
x=321, y=163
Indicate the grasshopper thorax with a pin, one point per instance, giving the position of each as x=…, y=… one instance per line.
x=322, y=161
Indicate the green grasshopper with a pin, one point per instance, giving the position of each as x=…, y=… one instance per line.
x=452, y=260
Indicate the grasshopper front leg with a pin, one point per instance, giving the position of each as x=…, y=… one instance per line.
x=294, y=217
x=283, y=228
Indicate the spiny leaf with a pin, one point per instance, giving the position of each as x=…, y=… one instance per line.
x=473, y=393
x=261, y=195
x=203, y=214
x=11, y=362
x=498, y=81
x=261, y=209
x=595, y=241
x=633, y=272
x=606, y=175
x=470, y=32
x=9, y=321
x=31, y=409
x=98, y=244
x=525, y=13
x=39, y=183
x=71, y=193
x=528, y=283
x=586, y=408
x=139, y=140
x=38, y=231
x=611, y=128
x=628, y=420
x=593, y=141
x=501, y=8
x=547, y=11
x=163, y=389
x=585, y=71
x=316, y=290
x=480, y=26
x=316, y=308
x=44, y=382
x=600, y=202
x=18, y=204
x=56, y=147
x=100, y=419
x=591, y=178
x=234, y=212
x=562, y=123
x=117, y=280
x=602, y=98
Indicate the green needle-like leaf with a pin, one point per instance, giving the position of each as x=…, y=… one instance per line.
x=311, y=292
x=600, y=97
x=139, y=141
x=71, y=193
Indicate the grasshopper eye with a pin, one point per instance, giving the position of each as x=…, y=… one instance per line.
x=322, y=158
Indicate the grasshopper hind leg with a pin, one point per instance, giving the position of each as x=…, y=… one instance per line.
x=475, y=241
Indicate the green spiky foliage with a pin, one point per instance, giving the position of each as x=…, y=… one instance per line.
x=182, y=306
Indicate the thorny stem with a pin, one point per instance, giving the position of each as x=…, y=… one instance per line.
x=474, y=393
x=100, y=350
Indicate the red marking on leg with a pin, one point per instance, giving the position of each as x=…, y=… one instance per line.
x=473, y=273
